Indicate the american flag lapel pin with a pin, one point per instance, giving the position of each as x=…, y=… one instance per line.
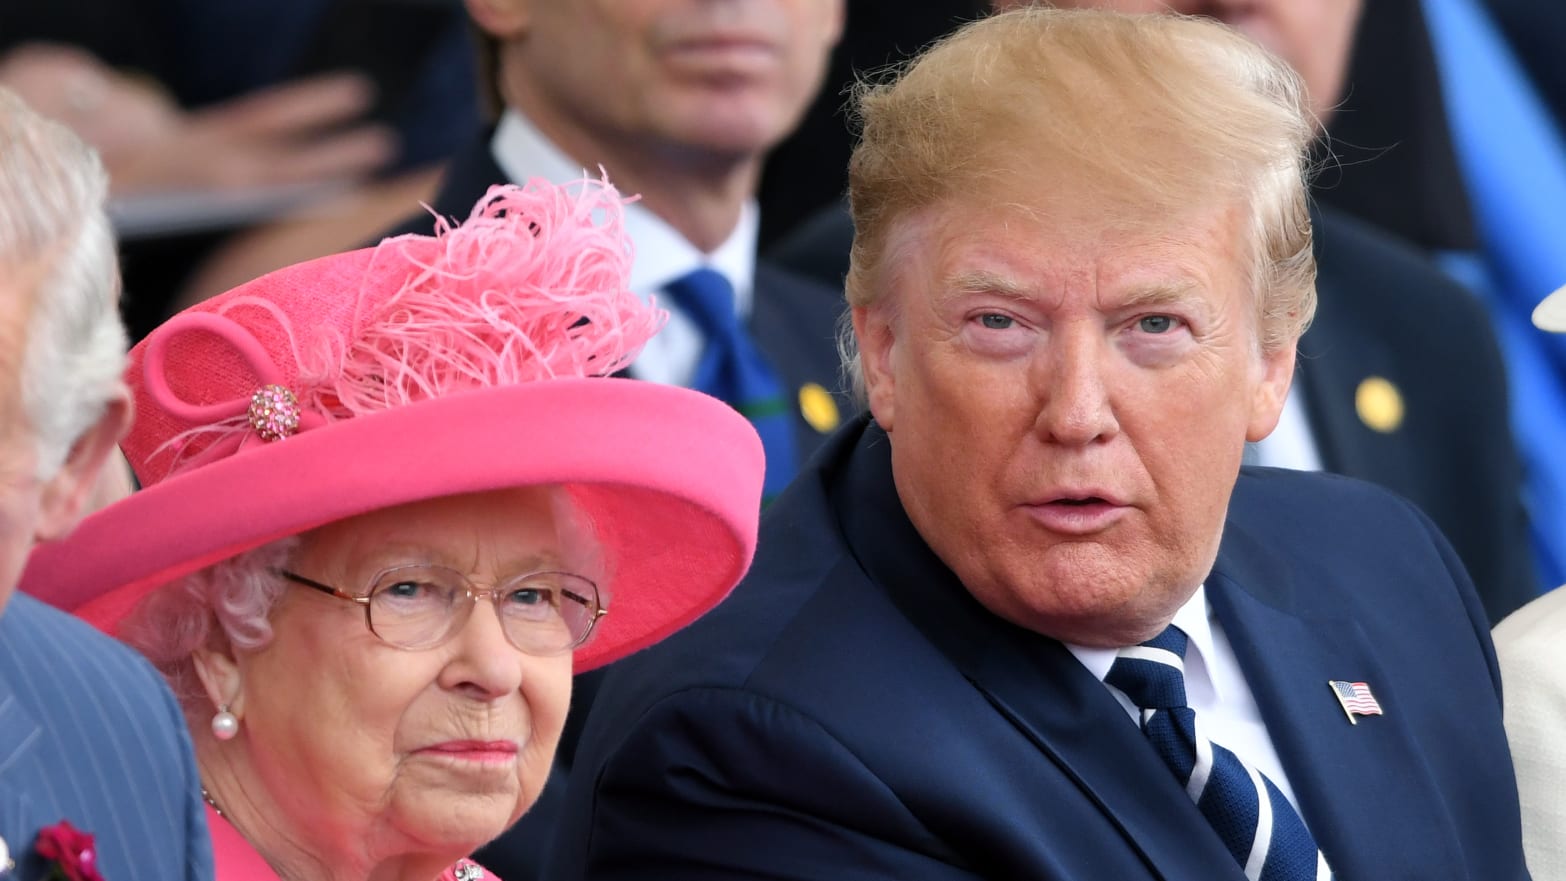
x=1355, y=699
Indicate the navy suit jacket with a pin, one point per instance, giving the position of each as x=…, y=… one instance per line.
x=852, y=713
x=793, y=317
x=1384, y=311
x=90, y=733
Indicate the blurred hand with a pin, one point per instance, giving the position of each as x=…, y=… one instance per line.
x=302, y=132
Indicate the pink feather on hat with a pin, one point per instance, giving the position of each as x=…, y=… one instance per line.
x=532, y=286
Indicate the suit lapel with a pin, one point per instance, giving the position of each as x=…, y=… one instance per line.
x=1348, y=778
x=793, y=321
x=1074, y=721
x=1032, y=681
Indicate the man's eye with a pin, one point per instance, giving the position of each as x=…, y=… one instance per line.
x=993, y=321
x=1156, y=324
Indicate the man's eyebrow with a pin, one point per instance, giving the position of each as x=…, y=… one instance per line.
x=980, y=281
x=1160, y=294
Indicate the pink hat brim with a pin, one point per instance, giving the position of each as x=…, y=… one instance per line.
x=670, y=478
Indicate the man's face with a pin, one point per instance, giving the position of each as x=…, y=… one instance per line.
x=1313, y=36
x=1068, y=404
x=21, y=491
x=691, y=78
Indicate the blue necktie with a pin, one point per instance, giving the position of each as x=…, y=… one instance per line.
x=1256, y=823
x=734, y=370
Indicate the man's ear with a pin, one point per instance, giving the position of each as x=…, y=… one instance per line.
x=873, y=333
x=67, y=495
x=502, y=19
x=1270, y=392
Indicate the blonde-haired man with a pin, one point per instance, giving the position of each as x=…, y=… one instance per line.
x=1032, y=620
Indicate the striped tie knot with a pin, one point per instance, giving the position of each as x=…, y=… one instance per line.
x=1256, y=823
x=1153, y=674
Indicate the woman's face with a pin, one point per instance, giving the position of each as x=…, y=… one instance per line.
x=439, y=748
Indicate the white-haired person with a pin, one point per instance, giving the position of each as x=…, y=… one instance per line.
x=1531, y=646
x=96, y=773
x=392, y=498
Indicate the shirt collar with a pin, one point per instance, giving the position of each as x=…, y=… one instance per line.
x=1195, y=618
x=662, y=254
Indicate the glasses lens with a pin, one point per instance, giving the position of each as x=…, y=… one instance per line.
x=548, y=612
x=413, y=606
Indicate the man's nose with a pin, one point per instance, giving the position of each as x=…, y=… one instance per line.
x=1075, y=408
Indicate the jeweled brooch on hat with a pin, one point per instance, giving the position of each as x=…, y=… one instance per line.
x=274, y=412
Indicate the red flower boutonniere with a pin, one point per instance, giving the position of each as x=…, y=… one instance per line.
x=73, y=855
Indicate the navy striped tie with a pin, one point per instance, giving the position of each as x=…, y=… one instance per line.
x=1256, y=823
x=734, y=370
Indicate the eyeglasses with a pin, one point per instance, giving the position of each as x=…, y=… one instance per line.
x=421, y=607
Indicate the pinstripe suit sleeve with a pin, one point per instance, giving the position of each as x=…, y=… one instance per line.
x=90, y=733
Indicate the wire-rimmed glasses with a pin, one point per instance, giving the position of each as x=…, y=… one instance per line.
x=422, y=606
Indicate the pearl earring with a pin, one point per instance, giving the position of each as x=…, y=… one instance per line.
x=225, y=724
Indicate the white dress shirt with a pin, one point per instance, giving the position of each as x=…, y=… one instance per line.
x=662, y=254
x=1215, y=688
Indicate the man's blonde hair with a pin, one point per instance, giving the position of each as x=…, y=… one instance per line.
x=1154, y=114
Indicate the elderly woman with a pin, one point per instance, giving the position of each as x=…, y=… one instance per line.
x=392, y=500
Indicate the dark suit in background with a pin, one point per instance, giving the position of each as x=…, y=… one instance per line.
x=1537, y=30
x=89, y=733
x=1388, y=156
x=1387, y=312
x=853, y=713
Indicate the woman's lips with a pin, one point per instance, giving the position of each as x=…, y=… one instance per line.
x=483, y=751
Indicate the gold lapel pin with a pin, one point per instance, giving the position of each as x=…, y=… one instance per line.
x=1379, y=404
x=818, y=408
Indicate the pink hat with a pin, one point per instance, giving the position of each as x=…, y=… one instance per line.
x=476, y=359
